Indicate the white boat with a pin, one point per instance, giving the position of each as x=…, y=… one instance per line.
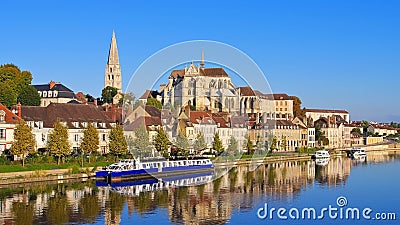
x=358, y=152
x=322, y=154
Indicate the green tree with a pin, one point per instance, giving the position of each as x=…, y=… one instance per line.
x=29, y=96
x=58, y=144
x=8, y=95
x=273, y=143
x=142, y=143
x=357, y=130
x=200, y=143
x=297, y=111
x=90, y=142
x=182, y=143
x=233, y=146
x=284, y=143
x=154, y=102
x=217, y=144
x=108, y=93
x=161, y=142
x=24, y=141
x=12, y=82
x=117, y=144
x=249, y=147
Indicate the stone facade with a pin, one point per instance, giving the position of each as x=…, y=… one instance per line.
x=113, y=76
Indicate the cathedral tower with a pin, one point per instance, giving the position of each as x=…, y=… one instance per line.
x=113, y=77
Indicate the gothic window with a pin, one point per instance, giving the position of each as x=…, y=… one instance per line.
x=232, y=103
x=110, y=69
x=189, y=92
x=109, y=77
x=226, y=103
x=225, y=84
x=219, y=84
x=112, y=77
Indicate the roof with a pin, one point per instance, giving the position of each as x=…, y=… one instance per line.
x=202, y=117
x=281, y=97
x=69, y=113
x=246, y=91
x=63, y=91
x=9, y=116
x=327, y=111
x=221, y=122
x=209, y=72
x=153, y=111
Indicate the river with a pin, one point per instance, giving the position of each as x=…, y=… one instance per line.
x=296, y=192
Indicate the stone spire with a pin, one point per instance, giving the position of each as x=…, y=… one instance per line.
x=113, y=77
x=202, y=59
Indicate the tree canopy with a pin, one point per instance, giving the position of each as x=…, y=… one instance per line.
x=154, y=102
x=161, y=142
x=117, y=144
x=13, y=83
x=90, y=142
x=182, y=143
x=297, y=111
x=108, y=93
x=233, y=146
x=24, y=141
x=249, y=147
x=200, y=143
x=58, y=144
x=217, y=144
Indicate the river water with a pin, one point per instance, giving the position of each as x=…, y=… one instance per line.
x=370, y=189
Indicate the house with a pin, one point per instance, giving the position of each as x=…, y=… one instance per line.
x=307, y=132
x=145, y=116
x=381, y=130
x=54, y=92
x=8, y=121
x=315, y=114
x=332, y=128
x=75, y=116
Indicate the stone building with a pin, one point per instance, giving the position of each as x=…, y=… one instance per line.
x=54, y=92
x=113, y=76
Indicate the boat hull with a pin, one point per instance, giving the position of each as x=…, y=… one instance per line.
x=118, y=176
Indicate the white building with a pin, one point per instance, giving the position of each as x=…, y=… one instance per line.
x=8, y=121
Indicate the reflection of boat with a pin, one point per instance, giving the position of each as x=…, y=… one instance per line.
x=321, y=154
x=134, y=188
x=356, y=153
x=321, y=161
x=359, y=158
x=152, y=167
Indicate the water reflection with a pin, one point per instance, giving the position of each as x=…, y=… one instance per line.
x=211, y=203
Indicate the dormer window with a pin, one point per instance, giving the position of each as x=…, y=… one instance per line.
x=55, y=93
x=84, y=124
x=76, y=124
x=40, y=93
x=2, y=116
x=50, y=94
x=44, y=94
x=95, y=124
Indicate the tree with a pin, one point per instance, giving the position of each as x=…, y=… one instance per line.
x=297, y=111
x=12, y=82
x=217, y=144
x=29, y=96
x=357, y=130
x=108, y=93
x=58, y=144
x=200, y=143
x=249, y=145
x=24, y=141
x=117, y=144
x=273, y=143
x=90, y=141
x=154, y=102
x=182, y=143
x=142, y=143
x=284, y=143
x=8, y=96
x=161, y=142
x=233, y=146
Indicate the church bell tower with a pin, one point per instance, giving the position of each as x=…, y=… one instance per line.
x=113, y=77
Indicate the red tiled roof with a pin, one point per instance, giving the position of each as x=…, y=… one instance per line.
x=66, y=113
x=246, y=91
x=196, y=116
x=210, y=72
x=10, y=117
x=281, y=97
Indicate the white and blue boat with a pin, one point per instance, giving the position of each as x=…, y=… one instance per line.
x=128, y=169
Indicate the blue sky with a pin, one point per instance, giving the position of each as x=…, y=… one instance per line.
x=332, y=54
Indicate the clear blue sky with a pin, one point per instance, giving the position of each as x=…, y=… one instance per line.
x=332, y=54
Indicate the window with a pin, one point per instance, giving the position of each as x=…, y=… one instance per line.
x=55, y=93
x=189, y=92
x=50, y=94
x=44, y=94
x=2, y=133
x=76, y=137
x=2, y=115
x=103, y=137
x=110, y=70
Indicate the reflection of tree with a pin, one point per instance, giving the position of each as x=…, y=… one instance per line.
x=200, y=190
x=143, y=203
x=114, y=205
x=57, y=212
x=23, y=213
x=271, y=175
x=89, y=208
x=217, y=185
x=233, y=177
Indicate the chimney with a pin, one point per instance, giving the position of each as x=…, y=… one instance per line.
x=19, y=109
x=51, y=84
